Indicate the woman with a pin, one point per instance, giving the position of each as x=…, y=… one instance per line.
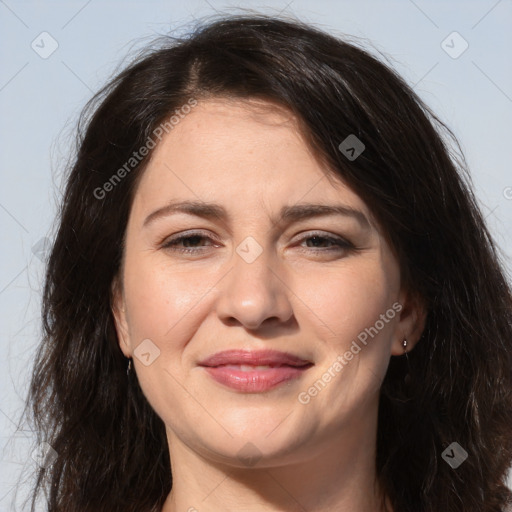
x=271, y=289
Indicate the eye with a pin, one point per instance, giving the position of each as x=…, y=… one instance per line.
x=194, y=243
x=191, y=241
x=320, y=240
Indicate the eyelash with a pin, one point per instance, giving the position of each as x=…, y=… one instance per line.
x=340, y=243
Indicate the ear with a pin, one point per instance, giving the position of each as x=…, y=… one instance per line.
x=118, y=307
x=411, y=323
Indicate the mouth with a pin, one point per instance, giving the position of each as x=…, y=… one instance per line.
x=270, y=358
x=252, y=367
x=254, y=371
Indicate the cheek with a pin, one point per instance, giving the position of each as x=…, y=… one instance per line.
x=164, y=307
x=160, y=299
x=346, y=309
x=347, y=301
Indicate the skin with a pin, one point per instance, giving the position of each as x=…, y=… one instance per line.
x=311, y=300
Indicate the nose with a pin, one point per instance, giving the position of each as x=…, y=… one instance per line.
x=254, y=293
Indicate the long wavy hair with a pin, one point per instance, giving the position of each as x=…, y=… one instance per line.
x=110, y=449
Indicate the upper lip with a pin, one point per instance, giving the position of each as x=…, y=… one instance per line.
x=253, y=358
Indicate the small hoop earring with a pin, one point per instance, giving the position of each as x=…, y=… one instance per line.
x=128, y=369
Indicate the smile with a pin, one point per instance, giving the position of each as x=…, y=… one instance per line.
x=255, y=379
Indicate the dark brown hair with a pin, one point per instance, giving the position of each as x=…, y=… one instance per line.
x=112, y=454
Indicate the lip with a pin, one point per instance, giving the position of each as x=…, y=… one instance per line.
x=224, y=367
x=254, y=358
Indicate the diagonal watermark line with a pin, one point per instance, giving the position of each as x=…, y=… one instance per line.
x=226, y=227
x=485, y=15
x=425, y=75
x=274, y=224
x=3, y=3
x=332, y=332
x=491, y=212
x=185, y=185
x=12, y=280
x=279, y=424
x=424, y=13
x=13, y=217
x=492, y=81
x=77, y=76
x=285, y=7
x=13, y=462
x=199, y=403
x=16, y=333
x=8, y=418
x=13, y=488
x=168, y=167
x=286, y=491
x=14, y=76
x=200, y=299
x=78, y=12
x=213, y=8
x=218, y=485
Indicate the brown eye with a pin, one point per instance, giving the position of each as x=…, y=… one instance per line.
x=189, y=243
x=320, y=241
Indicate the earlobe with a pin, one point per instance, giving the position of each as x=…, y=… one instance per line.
x=411, y=324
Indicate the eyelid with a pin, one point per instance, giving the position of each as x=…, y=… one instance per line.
x=187, y=234
x=338, y=243
x=193, y=232
x=323, y=234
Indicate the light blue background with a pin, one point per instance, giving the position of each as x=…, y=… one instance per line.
x=41, y=98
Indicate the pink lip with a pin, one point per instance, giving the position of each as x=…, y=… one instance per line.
x=222, y=367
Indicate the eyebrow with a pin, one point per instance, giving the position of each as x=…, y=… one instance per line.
x=212, y=211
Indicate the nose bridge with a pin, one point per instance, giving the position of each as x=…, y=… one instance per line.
x=254, y=291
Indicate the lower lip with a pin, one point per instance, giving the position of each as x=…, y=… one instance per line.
x=255, y=381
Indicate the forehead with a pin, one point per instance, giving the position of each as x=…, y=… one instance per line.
x=243, y=153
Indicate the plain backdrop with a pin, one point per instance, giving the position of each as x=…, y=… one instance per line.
x=54, y=55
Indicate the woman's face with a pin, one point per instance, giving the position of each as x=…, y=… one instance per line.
x=269, y=273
